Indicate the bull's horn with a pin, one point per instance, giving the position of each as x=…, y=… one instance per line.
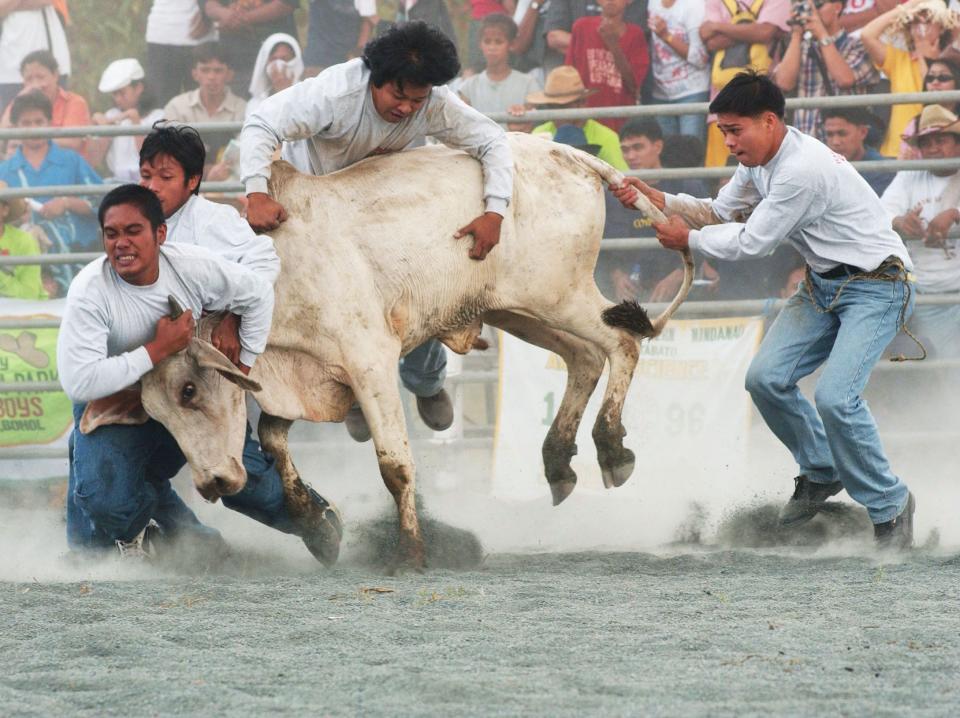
x=175, y=309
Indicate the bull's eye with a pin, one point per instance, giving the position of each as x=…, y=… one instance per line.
x=188, y=392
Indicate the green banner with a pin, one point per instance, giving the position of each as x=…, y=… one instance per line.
x=31, y=417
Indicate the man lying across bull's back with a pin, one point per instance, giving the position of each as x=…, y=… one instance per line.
x=393, y=96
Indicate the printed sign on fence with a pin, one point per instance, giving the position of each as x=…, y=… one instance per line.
x=686, y=413
x=31, y=418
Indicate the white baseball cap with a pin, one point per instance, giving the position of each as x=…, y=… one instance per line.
x=120, y=73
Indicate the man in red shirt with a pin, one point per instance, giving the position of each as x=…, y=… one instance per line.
x=611, y=56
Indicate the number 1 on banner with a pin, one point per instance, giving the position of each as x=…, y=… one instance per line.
x=549, y=400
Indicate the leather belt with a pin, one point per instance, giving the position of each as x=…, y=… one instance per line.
x=840, y=272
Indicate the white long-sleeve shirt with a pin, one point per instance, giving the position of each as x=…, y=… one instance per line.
x=221, y=229
x=807, y=195
x=937, y=269
x=333, y=117
x=107, y=322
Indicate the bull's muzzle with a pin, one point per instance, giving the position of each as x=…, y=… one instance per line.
x=225, y=480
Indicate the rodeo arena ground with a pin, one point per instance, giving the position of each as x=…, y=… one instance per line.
x=662, y=584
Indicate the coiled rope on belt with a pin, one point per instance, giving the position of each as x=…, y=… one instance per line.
x=878, y=274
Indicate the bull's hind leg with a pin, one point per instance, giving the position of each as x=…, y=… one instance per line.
x=314, y=520
x=376, y=389
x=584, y=365
x=581, y=314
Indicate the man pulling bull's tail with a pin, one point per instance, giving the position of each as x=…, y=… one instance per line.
x=855, y=298
x=116, y=328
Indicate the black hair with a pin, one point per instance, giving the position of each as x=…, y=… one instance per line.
x=501, y=21
x=749, y=94
x=34, y=100
x=41, y=57
x=180, y=142
x=140, y=197
x=209, y=52
x=642, y=127
x=413, y=53
x=682, y=151
x=952, y=66
x=853, y=115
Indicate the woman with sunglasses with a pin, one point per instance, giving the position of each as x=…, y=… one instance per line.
x=943, y=75
x=903, y=43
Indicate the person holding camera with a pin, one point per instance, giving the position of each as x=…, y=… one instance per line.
x=821, y=59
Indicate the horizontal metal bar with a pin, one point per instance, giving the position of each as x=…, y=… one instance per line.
x=45, y=259
x=31, y=386
x=98, y=190
x=14, y=323
x=18, y=133
x=660, y=174
x=538, y=116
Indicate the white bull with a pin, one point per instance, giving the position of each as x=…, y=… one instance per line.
x=371, y=271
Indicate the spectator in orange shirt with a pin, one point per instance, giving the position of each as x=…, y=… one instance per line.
x=611, y=56
x=41, y=73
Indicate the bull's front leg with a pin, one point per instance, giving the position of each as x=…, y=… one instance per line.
x=379, y=396
x=314, y=520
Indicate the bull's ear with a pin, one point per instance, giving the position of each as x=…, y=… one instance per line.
x=209, y=357
x=124, y=407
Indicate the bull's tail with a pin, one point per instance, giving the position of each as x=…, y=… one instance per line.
x=630, y=315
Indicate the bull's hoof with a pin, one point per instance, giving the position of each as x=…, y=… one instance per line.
x=561, y=490
x=322, y=536
x=617, y=475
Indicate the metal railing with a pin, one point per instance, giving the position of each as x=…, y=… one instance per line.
x=691, y=308
x=94, y=190
x=591, y=113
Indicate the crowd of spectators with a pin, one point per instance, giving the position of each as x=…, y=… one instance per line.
x=216, y=60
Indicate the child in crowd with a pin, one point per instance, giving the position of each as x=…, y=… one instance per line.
x=213, y=100
x=564, y=90
x=480, y=10
x=68, y=222
x=123, y=80
x=41, y=73
x=611, y=56
x=498, y=88
x=23, y=281
x=279, y=64
x=679, y=62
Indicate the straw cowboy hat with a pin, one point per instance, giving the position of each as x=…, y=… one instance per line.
x=16, y=208
x=934, y=119
x=933, y=11
x=563, y=86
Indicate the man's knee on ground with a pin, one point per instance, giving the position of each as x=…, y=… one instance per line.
x=115, y=515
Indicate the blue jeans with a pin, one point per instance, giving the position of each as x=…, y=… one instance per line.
x=838, y=440
x=423, y=370
x=120, y=479
x=692, y=125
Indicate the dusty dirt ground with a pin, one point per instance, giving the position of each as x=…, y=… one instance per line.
x=825, y=628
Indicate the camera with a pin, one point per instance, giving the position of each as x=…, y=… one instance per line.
x=799, y=10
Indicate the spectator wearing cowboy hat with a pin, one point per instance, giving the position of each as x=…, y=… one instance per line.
x=132, y=105
x=23, y=281
x=924, y=206
x=902, y=43
x=565, y=90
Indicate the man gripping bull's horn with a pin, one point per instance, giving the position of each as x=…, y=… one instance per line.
x=117, y=326
x=391, y=97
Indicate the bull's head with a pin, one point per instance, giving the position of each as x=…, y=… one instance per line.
x=198, y=395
